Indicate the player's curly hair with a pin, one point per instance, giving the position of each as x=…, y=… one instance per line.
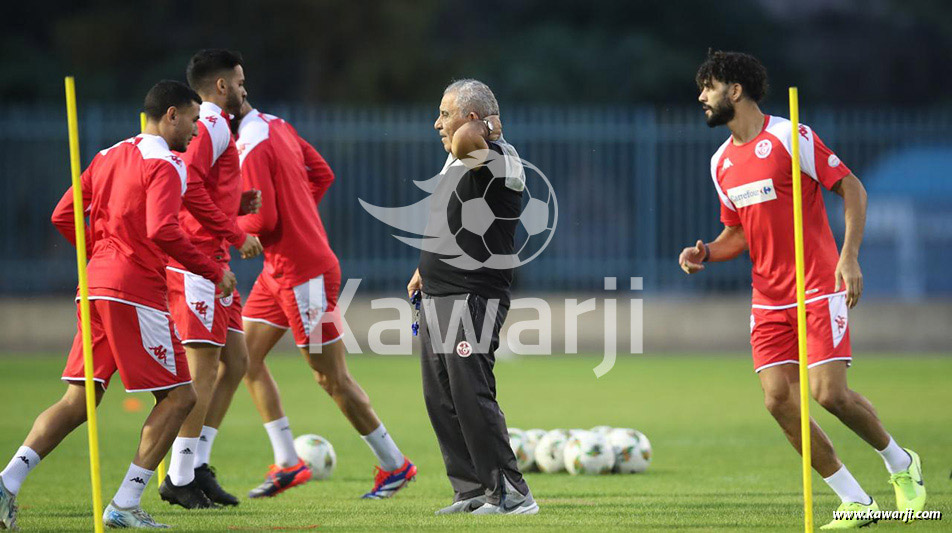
x=734, y=67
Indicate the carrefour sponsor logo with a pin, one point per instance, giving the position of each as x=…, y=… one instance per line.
x=752, y=193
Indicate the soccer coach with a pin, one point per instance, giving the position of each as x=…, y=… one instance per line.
x=457, y=359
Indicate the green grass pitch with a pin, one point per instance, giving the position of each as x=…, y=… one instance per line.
x=720, y=462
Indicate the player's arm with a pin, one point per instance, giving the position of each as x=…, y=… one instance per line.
x=848, y=273
x=819, y=162
x=257, y=173
x=728, y=245
x=63, y=213
x=471, y=140
x=163, y=201
x=199, y=159
x=319, y=173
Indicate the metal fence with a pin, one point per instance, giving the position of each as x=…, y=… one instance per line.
x=633, y=185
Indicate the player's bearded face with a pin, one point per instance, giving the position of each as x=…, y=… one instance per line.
x=185, y=127
x=235, y=91
x=718, y=108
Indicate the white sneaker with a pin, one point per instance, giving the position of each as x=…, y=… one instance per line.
x=512, y=502
x=135, y=517
x=464, y=506
x=8, y=509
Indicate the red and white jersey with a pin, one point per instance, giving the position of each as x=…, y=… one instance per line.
x=132, y=193
x=755, y=185
x=210, y=205
x=292, y=177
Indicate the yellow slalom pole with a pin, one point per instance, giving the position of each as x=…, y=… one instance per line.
x=79, y=220
x=801, y=314
x=159, y=470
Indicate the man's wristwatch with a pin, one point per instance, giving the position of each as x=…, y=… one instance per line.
x=489, y=127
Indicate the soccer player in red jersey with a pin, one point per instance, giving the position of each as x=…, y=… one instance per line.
x=752, y=175
x=132, y=194
x=297, y=290
x=211, y=327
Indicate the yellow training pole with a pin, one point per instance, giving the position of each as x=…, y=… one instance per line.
x=159, y=470
x=801, y=315
x=79, y=220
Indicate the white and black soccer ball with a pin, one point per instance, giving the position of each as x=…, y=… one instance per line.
x=588, y=453
x=550, y=452
x=534, y=224
x=318, y=454
x=602, y=430
x=632, y=450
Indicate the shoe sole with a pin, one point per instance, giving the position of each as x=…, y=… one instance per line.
x=293, y=484
x=173, y=501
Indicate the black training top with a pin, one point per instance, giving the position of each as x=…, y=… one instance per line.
x=477, y=255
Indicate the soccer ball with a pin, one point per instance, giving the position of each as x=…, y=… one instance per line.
x=318, y=455
x=588, y=453
x=632, y=450
x=549, y=453
x=533, y=436
x=534, y=220
x=517, y=440
x=602, y=430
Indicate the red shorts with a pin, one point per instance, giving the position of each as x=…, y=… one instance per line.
x=773, y=333
x=138, y=341
x=301, y=308
x=200, y=316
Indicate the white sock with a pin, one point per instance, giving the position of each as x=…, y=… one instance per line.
x=384, y=448
x=182, y=463
x=846, y=487
x=19, y=466
x=282, y=442
x=205, y=441
x=130, y=492
x=896, y=458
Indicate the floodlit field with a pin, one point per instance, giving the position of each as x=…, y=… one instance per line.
x=720, y=462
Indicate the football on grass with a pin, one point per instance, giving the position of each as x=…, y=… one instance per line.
x=318, y=454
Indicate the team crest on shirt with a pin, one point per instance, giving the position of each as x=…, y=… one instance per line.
x=833, y=161
x=763, y=148
x=464, y=349
x=227, y=300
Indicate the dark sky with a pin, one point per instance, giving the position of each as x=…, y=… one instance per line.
x=557, y=51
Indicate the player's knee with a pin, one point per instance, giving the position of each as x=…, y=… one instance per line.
x=183, y=399
x=236, y=366
x=254, y=367
x=329, y=382
x=832, y=399
x=778, y=402
x=336, y=384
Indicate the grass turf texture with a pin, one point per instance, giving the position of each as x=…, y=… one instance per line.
x=720, y=461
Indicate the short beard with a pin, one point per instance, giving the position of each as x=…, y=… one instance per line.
x=721, y=114
x=233, y=104
x=179, y=146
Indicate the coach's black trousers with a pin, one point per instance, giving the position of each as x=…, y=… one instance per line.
x=459, y=389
